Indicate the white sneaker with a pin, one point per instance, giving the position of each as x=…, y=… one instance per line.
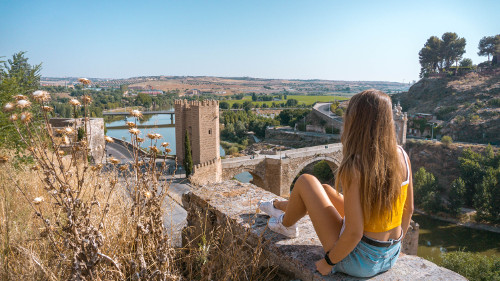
x=268, y=208
x=276, y=224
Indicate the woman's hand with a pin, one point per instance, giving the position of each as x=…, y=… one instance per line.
x=323, y=267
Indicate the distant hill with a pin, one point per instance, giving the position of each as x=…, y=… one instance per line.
x=469, y=105
x=237, y=85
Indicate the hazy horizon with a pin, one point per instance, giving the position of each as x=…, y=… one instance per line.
x=324, y=40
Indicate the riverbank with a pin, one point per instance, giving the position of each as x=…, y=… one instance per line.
x=473, y=225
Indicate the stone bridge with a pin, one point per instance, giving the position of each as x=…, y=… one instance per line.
x=276, y=173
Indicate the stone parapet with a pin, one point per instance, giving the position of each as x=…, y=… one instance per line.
x=233, y=204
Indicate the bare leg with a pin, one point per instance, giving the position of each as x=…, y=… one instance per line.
x=309, y=196
x=335, y=197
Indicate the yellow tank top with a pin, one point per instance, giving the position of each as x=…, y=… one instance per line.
x=385, y=222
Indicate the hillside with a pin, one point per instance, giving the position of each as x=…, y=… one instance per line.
x=469, y=105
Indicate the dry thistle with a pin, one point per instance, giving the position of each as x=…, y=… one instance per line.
x=3, y=159
x=136, y=113
x=47, y=108
x=131, y=124
x=154, y=149
x=108, y=139
x=69, y=130
x=66, y=140
x=13, y=117
x=26, y=117
x=86, y=99
x=74, y=102
x=8, y=107
x=60, y=152
x=139, y=139
x=38, y=200
x=19, y=97
x=123, y=168
x=113, y=160
x=134, y=131
x=97, y=167
x=23, y=104
x=165, y=144
x=41, y=96
x=168, y=150
x=148, y=194
x=84, y=81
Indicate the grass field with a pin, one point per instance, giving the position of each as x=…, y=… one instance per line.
x=308, y=100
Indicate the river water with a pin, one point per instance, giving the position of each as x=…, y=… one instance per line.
x=167, y=133
x=436, y=237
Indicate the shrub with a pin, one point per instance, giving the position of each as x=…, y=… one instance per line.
x=457, y=193
x=446, y=140
x=473, y=266
x=427, y=191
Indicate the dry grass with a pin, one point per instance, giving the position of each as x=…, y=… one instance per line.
x=65, y=217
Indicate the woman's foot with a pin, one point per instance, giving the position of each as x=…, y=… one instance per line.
x=268, y=208
x=276, y=224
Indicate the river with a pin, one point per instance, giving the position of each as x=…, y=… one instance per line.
x=167, y=133
x=436, y=237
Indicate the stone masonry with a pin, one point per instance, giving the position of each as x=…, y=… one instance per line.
x=233, y=206
x=201, y=120
x=95, y=134
x=400, y=122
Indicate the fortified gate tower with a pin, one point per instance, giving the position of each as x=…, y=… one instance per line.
x=201, y=120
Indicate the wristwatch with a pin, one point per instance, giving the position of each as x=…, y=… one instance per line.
x=328, y=260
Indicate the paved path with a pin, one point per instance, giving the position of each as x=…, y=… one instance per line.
x=119, y=152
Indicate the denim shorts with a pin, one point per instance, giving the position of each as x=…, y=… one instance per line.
x=367, y=260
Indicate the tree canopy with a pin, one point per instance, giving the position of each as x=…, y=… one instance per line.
x=488, y=45
x=439, y=54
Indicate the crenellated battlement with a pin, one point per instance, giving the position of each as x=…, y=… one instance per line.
x=196, y=103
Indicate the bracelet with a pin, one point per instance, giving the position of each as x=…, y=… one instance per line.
x=327, y=258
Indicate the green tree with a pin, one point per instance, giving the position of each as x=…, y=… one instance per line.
x=144, y=100
x=430, y=56
x=292, y=102
x=446, y=140
x=452, y=48
x=488, y=45
x=323, y=171
x=427, y=191
x=247, y=105
x=188, y=159
x=236, y=105
x=466, y=62
x=17, y=76
x=224, y=105
x=457, y=193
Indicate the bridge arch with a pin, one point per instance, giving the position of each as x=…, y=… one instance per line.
x=332, y=162
x=258, y=179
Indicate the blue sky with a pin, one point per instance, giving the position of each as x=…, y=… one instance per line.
x=357, y=40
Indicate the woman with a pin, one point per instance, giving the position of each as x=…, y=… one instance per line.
x=360, y=230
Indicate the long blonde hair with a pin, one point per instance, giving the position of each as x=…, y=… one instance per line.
x=370, y=147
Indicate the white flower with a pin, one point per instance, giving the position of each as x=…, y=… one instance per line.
x=25, y=117
x=74, y=102
x=38, y=200
x=8, y=107
x=23, y=103
x=41, y=96
x=20, y=97
x=136, y=113
x=69, y=130
x=134, y=131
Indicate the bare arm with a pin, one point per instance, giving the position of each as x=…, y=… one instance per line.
x=408, y=208
x=353, y=227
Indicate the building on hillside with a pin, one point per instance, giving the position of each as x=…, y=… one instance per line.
x=424, y=125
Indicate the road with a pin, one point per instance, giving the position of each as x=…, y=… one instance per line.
x=119, y=152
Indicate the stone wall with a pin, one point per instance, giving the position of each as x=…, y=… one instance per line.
x=206, y=173
x=297, y=138
x=232, y=205
x=95, y=134
x=201, y=120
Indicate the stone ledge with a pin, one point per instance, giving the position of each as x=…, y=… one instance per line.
x=236, y=204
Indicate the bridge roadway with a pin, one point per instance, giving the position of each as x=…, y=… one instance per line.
x=171, y=112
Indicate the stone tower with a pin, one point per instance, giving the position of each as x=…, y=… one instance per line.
x=400, y=120
x=201, y=120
